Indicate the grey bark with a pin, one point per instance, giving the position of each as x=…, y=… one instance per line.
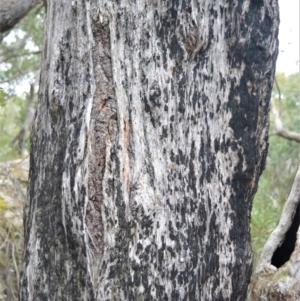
x=12, y=11
x=149, y=139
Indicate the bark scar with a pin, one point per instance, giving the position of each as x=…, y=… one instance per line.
x=102, y=133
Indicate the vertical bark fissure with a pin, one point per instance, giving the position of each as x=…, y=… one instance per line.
x=103, y=128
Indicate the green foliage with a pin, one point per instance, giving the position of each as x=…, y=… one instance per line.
x=12, y=109
x=282, y=163
x=20, y=52
x=3, y=205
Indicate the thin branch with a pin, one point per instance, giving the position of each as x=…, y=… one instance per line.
x=280, y=130
x=11, y=12
x=18, y=55
x=289, y=135
x=278, y=89
x=40, y=7
x=279, y=94
x=14, y=47
x=8, y=281
x=15, y=263
x=3, y=35
x=18, y=45
x=17, y=76
x=6, y=239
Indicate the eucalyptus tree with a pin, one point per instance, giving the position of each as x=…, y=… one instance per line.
x=149, y=139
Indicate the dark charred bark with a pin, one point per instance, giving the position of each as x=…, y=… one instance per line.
x=150, y=136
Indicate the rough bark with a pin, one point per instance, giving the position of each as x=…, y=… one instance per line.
x=277, y=275
x=150, y=136
x=12, y=11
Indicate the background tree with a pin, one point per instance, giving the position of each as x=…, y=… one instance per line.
x=149, y=140
x=282, y=162
x=277, y=274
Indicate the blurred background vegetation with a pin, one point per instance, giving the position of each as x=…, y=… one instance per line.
x=282, y=162
x=20, y=50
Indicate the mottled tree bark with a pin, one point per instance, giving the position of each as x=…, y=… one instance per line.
x=149, y=139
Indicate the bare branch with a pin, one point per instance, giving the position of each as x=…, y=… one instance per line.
x=289, y=135
x=21, y=55
x=278, y=88
x=15, y=263
x=280, y=130
x=17, y=76
x=12, y=11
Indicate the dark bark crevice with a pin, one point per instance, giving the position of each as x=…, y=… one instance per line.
x=102, y=138
x=284, y=251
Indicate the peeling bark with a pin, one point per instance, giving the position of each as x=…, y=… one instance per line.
x=12, y=11
x=277, y=275
x=149, y=139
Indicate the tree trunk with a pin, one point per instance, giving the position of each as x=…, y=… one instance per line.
x=149, y=139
